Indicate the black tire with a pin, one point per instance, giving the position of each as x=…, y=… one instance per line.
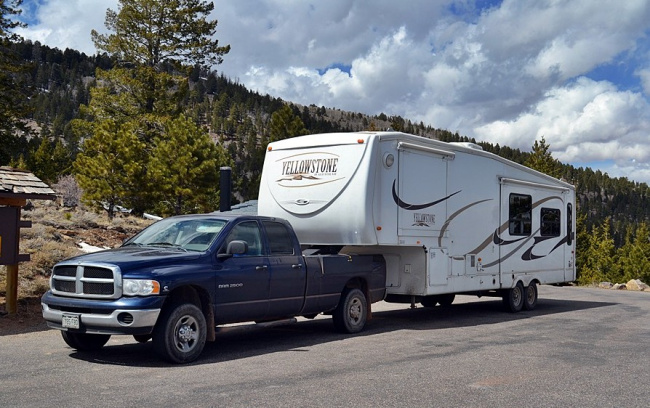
x=530, y=296
x=446, y=299
x=429, y=301
x=351, y=314
x=179, y=336
x=513, y=300
x=142, y=338
x=85, y=341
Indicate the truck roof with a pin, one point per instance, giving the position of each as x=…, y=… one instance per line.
x=226, y=216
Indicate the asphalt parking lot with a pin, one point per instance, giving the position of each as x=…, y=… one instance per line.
x=581, y=347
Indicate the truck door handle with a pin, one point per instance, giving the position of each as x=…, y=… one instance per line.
x=261, y=268
x=296, y=266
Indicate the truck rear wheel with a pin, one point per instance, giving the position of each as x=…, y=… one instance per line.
x=351, y=314
x=179, y=336
x=513, y=299
x=85, y=341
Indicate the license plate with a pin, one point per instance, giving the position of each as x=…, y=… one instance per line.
x=70, y=321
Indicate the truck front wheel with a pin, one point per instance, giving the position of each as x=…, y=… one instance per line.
x=352, y=312
x=85, y=341
x=180, y=335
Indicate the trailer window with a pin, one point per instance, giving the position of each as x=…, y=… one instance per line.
x=280, y=242
x=569, y=225
x=550, y=222
x=520, y=214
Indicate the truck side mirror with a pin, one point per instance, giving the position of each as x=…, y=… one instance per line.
x=235, y=247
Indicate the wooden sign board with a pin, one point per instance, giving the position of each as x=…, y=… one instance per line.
x=9, y=235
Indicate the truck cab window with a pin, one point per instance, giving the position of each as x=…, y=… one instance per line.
x=249, y=232
x=520, y=214
x=280, y=242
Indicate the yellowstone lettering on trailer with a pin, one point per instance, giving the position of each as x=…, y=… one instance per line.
x=308, y=169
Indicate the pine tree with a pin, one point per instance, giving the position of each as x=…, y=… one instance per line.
x=285, y=124
x=542, y=160
x=156, y=43
x=600, y=261
x=107, y=163
x=151, y=32
x=634, y=256
x=14, y=94
x=185, y=165
x=583, y=248
x=41, y=163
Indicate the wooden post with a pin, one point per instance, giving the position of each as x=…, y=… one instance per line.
x=12, y=289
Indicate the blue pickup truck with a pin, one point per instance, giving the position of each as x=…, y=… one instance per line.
x=181, y=278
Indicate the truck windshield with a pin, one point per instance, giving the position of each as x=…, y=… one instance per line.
x=184, y=234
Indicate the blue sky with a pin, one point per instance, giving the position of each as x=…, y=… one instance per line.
x=576, y=72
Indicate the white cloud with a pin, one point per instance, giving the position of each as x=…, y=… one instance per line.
x=587, y=121
x=644, y=75
x=67, y=23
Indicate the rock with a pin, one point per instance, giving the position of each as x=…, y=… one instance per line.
x=619, y=286
x=605, y=285
x=636, y=284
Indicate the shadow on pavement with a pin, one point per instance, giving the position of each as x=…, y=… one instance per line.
x=248, y=341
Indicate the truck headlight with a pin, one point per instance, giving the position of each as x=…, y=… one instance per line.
x=140, y=287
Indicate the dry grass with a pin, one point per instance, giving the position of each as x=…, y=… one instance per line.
x=55, y=235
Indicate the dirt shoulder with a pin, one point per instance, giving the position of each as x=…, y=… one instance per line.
x=27, y=319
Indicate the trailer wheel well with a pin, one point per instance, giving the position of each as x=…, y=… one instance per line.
x=200, y=298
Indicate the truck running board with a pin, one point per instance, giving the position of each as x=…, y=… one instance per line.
x=250, y=325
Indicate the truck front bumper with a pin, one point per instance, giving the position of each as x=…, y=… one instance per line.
x=123, y=316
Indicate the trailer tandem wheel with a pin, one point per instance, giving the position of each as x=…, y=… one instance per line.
x=530, y=296
x=513, y=299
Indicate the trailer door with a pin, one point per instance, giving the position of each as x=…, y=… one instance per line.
x=532, y=237
x=421, y=192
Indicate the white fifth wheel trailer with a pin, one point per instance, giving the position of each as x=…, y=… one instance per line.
x=449, y=218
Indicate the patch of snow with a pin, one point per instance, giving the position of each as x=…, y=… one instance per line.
x=87, y=248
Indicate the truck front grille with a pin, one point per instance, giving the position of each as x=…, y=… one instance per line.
x=87, y=281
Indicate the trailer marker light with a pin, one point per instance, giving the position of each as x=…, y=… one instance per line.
x=270, y=148
x=389, y=160
x=360, y=141
x=379, y=228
